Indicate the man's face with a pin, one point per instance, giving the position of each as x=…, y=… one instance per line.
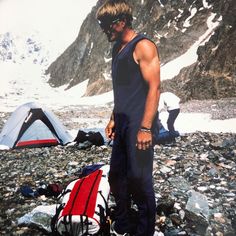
x=113, y=29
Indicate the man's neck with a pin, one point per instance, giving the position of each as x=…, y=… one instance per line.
x=127, y=35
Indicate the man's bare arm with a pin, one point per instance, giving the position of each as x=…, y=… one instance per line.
x=146, y=55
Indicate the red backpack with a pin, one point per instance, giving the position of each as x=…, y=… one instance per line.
x=83, y=206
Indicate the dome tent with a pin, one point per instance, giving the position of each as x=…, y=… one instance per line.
x=32, y=125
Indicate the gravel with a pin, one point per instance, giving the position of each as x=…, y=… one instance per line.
x=201, y=162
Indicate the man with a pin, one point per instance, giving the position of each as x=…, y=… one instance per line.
x=136, y=81
x=170, y=101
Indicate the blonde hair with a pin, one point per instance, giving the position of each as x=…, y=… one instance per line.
x=113, y=9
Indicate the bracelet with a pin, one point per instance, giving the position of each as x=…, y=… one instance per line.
x=144, y=129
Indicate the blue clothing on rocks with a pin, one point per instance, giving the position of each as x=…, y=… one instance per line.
x=130, y=168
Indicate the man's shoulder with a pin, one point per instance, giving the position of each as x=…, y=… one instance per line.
x=145, y=43
x=145, y=46
x=144, y=38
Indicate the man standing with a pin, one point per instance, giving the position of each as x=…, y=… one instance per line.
x=136, y=82
x=171, y=102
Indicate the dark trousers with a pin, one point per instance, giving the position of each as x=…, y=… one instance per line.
x=171, y=119
x=131, y=178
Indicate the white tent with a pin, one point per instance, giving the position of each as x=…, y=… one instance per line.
x=32, y=125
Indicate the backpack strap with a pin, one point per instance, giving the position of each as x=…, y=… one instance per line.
x=54, y=220
x=103, y=214
x=59, y=208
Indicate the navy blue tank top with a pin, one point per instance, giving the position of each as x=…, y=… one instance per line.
x=129, y=87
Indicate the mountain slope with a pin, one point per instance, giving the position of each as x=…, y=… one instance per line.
x=175, y=26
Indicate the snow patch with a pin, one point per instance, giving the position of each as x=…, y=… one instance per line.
x=187, y=21
x=160, y=3
x=192, y=122
x=206, y=5
x=107, y=59
x=91, y=47
x=172, y=68
x=107, y=76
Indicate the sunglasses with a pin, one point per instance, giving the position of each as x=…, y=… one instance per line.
x=106, y=26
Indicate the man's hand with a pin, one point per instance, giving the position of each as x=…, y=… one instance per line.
x=109, y=130
x=144, y=140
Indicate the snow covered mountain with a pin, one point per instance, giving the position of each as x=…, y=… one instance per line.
x=32, y=35
x=190, y=35
x=18, y=48
x=196, y=40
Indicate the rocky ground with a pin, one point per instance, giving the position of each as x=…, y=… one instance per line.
x=194, y=178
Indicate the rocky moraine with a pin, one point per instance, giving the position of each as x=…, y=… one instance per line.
x=197, y=170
